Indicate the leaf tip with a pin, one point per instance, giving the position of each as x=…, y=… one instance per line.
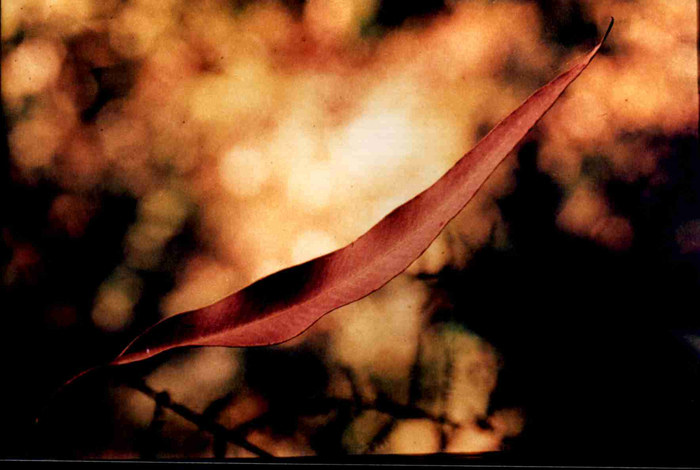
x=607, y=32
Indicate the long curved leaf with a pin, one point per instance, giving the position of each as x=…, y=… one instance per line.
x=283, y=305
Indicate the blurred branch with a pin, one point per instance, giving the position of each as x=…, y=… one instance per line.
x=387, y=406
x=381, y=436
x=206, y=421
x=399, y=411
x=219, y=432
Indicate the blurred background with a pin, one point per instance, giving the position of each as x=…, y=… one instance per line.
x=162, y=154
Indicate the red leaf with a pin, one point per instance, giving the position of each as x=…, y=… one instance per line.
x=283, y=305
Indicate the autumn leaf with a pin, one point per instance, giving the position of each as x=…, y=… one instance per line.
x=285, y=304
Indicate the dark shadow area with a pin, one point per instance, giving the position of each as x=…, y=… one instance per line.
x=393, y=13
x=589, y=336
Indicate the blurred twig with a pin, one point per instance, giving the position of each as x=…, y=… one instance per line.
x=219, y=432
x=381, y=435
x=206, y=421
